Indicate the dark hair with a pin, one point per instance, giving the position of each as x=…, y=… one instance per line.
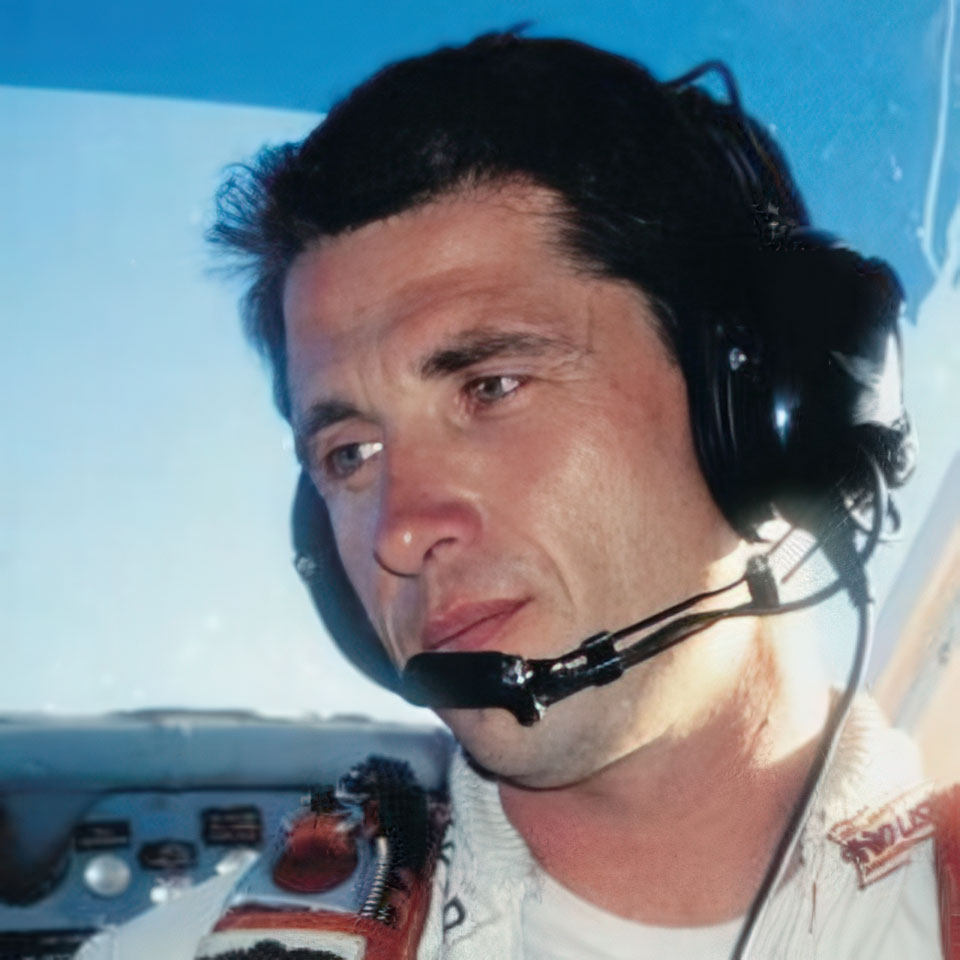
x=647, y=172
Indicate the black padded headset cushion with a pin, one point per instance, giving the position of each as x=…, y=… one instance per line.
x=318, y=563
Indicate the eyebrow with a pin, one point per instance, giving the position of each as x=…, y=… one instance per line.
x=464, y=350
x=474, y=346
x=319, y=416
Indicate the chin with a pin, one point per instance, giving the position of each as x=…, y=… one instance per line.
x=565, y=747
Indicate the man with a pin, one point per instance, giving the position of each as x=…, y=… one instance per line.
x=481, y=283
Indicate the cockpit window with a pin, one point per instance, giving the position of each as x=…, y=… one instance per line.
x=147, y=480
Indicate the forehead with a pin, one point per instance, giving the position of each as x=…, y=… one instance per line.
x=461, y=257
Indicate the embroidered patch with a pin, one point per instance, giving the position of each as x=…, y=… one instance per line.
x=877, y=840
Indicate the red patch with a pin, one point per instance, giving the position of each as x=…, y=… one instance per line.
x=878, y=840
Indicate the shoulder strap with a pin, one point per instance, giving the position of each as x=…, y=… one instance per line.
x=947, y=846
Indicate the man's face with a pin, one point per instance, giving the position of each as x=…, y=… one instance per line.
x=502, y=441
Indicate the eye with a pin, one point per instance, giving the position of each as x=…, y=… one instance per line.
x=489, y=390
x=344, y=461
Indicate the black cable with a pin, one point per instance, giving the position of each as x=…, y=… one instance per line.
x=664, y=638
x=839, y=543
x=694, y=623
x=676, y=608
x=711, y=66
x=825, y=753
x=855, y=581
x=693, y=601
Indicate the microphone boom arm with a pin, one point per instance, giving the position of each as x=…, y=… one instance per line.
x=527, y=687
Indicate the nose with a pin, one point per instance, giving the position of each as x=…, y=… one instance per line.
x=425, y=512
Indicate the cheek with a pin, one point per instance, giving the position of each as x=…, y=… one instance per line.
x=618, y=496
x=653, y=423
x=352, y=529
x=561, y=485
x=670, y=514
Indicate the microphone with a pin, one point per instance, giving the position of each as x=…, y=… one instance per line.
x=484, y=679
x=524, y=687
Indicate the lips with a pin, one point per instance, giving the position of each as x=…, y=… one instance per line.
x=470, y=626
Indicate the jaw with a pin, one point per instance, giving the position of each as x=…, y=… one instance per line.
x=669, y=705
x=575, y=739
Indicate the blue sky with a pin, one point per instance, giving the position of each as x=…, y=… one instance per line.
x=147, y=561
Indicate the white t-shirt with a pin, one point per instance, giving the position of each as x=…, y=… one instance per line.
x=559, y=925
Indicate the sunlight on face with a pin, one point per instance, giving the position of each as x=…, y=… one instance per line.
x=503, y=444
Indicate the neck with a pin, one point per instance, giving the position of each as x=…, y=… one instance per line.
x=691, y=820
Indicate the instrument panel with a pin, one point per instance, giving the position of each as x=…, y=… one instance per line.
x=126, y=847
x=132, y=851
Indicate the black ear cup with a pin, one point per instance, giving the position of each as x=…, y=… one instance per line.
x=318, y=563
x=795, y=379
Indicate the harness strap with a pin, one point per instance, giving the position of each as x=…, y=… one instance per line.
x=947, y=847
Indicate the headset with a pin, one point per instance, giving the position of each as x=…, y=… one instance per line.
x=794, y=391
x=796, y=410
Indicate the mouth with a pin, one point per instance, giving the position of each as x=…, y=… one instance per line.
x=470, y=626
